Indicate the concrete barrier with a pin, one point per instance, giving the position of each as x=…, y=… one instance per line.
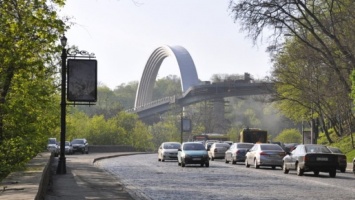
x=31, y=183
x=111, y=148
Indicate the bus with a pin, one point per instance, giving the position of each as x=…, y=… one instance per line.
x=253, y=135
x=210, y=136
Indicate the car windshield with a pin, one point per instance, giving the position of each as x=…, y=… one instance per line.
x=51, y=141
x=317, y=149
x=335, y=150
x=77, y=142
x=244, y=146
x=222, y=145
x=193, y=146
x=270, y=147
x=172, y=146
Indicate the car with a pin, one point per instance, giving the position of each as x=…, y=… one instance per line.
x=80, y=145
x=282, y=145
x=53, y=147
x=68, y=148
x=217, y=150
x=228, y=142
x=342, y=164
x=168, y=151
x=311, y=158
x=236, y=152
x=290, y=146
x=265, y=154
x=209, y=143
x=192, y=153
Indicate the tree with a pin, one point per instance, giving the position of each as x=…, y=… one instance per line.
x=29, y=32
x=289, y=136
x=323, y=30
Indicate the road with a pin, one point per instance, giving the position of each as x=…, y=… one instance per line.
x=144, y=176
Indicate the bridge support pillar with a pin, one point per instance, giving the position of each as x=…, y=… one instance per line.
x=218, y=115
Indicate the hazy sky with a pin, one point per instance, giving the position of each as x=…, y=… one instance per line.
x=124, y=33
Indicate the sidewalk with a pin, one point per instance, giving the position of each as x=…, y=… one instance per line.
x=85, y=181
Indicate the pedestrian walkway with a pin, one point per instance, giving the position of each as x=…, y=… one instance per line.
x=85, y=181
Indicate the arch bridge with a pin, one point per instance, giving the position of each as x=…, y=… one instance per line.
x=193, y=90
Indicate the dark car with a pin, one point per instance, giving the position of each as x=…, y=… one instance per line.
x=341, y=158
x=311, y=158
x=236, y=152
x=192, y=153
x=80, y=145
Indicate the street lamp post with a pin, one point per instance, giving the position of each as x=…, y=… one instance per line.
x=61, y=169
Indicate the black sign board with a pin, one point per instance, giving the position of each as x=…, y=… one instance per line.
x=82, y=80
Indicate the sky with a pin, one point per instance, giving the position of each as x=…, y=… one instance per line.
x=124, y=33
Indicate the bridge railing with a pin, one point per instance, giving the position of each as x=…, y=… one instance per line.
x=165, y=100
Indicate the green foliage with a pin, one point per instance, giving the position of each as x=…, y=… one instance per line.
x=289, y=136
x=350, y=156
x=234, y=134
x=29, y=106
x=124, y=128
x=164, y=132
x=343, y=143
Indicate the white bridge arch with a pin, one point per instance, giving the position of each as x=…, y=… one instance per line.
x=186, y=65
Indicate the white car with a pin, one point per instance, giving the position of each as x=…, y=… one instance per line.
x=52, y=146
x=168, y=151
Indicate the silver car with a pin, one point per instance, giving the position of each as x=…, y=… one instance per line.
x=53, y=146
x=168, y=151
x=236, y=153
x=218, y=150
x=265, y=154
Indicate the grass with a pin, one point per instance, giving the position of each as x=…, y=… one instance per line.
x=350, y=155
x=343, y=143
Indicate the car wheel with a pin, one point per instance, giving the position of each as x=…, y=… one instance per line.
x=207, y=164
x=256, y=166
x=284, y=169
x=343, y=170
x=212, y=158
x=162, y=160
x=234, y=161
x=182, y=164
x=333, y=173
x=299, y=170
x=226, y=161
x=316, y=172
x=201, y=165
x=273, y=167
x=246, y=163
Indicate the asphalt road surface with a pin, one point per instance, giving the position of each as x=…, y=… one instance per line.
x=147, y=178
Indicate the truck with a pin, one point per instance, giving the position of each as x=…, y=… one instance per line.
x=253, y=135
